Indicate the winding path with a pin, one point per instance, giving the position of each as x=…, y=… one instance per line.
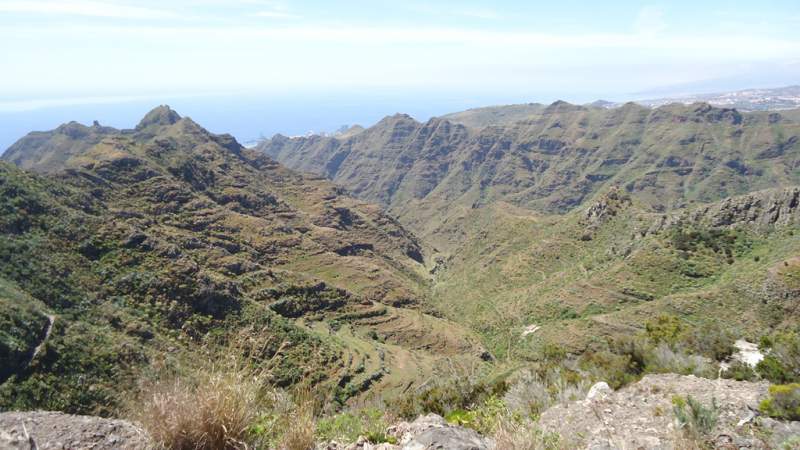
x=51, y=319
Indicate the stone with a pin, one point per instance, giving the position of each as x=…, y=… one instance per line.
x=449, y=438
x=57, y=431
x=599, y=391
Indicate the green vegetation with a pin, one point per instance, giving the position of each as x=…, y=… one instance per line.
x=783, y=402
x=448, y=396
x=551, y=159
x=148, y=245
x=348, y=426
x=782, y=362
x=695, y=419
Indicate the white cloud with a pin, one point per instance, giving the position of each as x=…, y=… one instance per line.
x=84, y=8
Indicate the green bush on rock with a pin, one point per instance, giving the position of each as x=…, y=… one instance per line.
x=783, y=402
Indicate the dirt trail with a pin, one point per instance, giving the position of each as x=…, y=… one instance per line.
x=51, y=319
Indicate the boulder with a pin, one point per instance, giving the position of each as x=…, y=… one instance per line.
x=406, y=431
x=449, y=438
x=599, y=391
x=430, y=432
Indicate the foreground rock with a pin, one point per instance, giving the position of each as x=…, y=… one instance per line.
x=58, y=431
x=429, y=432
x=641, y=416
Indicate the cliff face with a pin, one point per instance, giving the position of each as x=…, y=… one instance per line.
x=773, y=207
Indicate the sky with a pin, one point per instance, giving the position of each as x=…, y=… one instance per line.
x=92, y=56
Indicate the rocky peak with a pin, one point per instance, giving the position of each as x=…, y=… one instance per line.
x=395, y=120
x=560, y=106
x=74, y=130
x=161, y=115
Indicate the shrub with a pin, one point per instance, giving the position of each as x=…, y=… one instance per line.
x=635, y=350
x=711, y=340
x=553, y=352
x=740, y=371
x=532, y=393
x=349, y=425
x=663, y=359
x=665, y=328
x=447, y=395
x=615, y=369
x=694, y=418
x=783, y=402
x=782, y=363
x=212, y=409
x=483, y=419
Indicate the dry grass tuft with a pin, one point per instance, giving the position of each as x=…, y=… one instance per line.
x=300, y=435
x=513, y=435
x=210, y=409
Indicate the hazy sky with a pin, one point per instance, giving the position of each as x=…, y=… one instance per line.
x=121, y=49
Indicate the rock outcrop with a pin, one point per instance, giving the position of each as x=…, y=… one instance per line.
x=641, y=416
x=762, y=209
x=57, y=431
x=430, y=432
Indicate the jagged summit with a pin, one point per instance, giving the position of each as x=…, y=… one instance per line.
x=561, y=106
x=160, y=115
x=396, y=118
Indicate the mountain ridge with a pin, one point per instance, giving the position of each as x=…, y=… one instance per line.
x=556, y=160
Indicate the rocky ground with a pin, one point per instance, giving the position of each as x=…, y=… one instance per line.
x=639, y=416
x=426, y=433
x=56, y=431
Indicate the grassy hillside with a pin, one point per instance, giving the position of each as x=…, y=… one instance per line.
x=604, y=271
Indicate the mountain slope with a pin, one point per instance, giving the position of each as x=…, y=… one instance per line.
x=667, y=158
x=156, y=239
x=525, y=280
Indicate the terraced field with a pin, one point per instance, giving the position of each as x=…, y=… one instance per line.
x=390, y=350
